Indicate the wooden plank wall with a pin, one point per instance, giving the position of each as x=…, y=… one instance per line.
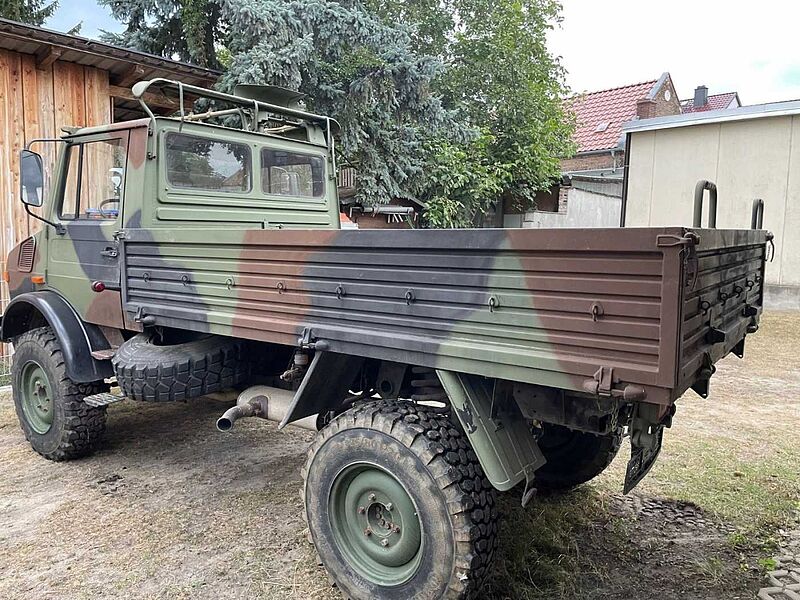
x=35, y=103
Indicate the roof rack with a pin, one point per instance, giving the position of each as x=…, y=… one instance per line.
x=252, y=111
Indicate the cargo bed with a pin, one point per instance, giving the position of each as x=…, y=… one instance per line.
x=644, y=309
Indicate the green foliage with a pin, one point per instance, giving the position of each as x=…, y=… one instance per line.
x=461, y=181
x=501, y=79
x=355, y=67
x=187, y=29
x=455, y=102
x=34, y=12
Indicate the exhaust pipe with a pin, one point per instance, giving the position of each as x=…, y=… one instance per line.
x=265, y=402
x=233, y=414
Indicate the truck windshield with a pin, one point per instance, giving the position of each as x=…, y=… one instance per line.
x=285, y=173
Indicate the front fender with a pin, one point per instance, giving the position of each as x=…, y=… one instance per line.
x=78, y=339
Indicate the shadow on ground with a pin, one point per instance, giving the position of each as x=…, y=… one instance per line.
x=171, y=508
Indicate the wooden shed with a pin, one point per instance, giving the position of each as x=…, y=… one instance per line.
x=50, y=80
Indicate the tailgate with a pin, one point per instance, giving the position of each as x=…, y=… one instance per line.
x=722, y=301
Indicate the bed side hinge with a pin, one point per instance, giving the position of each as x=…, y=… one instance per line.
x=604, y=383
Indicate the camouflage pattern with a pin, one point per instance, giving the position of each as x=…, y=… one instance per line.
x=623, y=312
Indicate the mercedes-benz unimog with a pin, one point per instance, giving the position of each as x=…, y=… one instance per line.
x=202, y=254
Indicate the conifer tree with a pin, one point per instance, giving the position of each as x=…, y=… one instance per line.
x=33, y=12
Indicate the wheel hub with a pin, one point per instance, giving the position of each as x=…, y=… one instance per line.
x=37, y=398
x=375, y=524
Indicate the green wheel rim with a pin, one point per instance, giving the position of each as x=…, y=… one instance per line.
x=375, y=524
x=37, y=397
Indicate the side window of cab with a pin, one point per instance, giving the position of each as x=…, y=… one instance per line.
x=95, y=183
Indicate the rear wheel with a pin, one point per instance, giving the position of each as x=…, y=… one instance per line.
x=398, y=506
x=49, y=405
x=573, y=457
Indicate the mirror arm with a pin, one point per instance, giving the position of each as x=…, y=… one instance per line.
x=60, y=229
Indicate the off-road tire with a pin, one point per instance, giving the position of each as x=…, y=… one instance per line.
x=577, y=458
x=433, y=461
x=77, y=428
x=150, y=372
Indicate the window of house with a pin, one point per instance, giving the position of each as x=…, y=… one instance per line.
x=95, y=180
x=285, y=173
x=199, y=163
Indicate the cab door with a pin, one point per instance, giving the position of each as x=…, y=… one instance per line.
x=83, y=260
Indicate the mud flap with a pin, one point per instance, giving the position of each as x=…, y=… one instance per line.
x=644, y=452
x=498, y=432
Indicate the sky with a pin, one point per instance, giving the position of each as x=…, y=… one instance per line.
x=733, y=45
x=727, y=45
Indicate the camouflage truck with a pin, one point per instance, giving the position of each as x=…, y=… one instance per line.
x=202, y=254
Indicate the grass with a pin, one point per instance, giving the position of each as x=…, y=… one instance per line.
x=205, y=516
x=736, y=456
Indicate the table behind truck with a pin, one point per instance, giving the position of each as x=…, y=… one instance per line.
x=638, y=313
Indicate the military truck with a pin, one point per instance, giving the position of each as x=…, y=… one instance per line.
x=201, y=253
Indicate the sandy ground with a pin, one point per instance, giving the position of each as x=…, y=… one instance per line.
x=171, y=508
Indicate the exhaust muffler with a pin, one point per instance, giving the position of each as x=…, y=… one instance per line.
x=264, y=402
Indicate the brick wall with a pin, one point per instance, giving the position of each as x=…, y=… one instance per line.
x=664, y=106
x=592, y=161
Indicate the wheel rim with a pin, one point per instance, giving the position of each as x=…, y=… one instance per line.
x=37, y=397
x=375, y=524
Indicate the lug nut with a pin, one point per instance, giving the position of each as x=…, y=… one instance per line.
x=372, y=497
x=389, y=506
x=368, y=532
x=397, y=529
x=384, y=543
x=361, y=510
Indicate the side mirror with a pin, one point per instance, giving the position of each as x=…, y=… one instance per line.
x=31, y=178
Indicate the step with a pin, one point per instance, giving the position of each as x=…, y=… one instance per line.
x=103, y=399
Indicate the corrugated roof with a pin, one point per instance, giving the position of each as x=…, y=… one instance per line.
x=28, y=39
x=600, y=115
x=715, y=102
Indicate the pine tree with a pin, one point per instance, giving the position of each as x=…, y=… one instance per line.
x=455, y=102
x=188, y=30
x=354, y=67
x=34, y=12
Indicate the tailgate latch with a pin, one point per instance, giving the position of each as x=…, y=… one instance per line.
x=605, y=384
x=688, y=241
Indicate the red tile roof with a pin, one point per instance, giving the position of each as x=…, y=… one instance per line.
x=614, y=107
x=715, y=102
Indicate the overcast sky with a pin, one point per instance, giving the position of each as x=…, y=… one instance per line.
x=749, y=47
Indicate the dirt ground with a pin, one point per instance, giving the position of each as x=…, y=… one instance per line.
x=171, y=508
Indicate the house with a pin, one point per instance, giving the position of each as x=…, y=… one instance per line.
x=600, y=116
x=50, y=80
x=750, y=152
x=703, y=102
x=590, y=192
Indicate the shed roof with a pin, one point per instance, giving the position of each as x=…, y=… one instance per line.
x=600, y=115
x=125, y=66
x=715, y=102
x=743, y=113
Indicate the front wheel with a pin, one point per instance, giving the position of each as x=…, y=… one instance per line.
x=398, y=506
x=49, y=405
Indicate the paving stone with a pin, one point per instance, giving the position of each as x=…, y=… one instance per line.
x=777, y=593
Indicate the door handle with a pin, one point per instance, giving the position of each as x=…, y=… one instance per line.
x=110, y=252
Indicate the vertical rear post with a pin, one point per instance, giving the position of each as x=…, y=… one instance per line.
x=757, y=217
x=699, y=190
